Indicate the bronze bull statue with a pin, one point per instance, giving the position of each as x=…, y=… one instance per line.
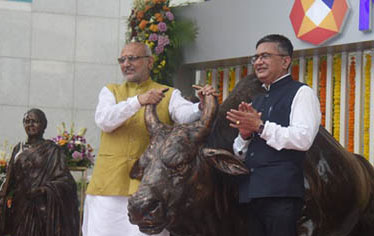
x=187, y=185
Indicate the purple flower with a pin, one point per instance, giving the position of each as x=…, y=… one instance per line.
x=162, y=27
x=77, y=155
x=163, y=40
x=159, y=49
x=70, y=146
x=153, y=37
x=169, y=15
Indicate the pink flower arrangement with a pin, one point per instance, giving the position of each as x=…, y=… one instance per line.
x=78, y=151
x=153, y=23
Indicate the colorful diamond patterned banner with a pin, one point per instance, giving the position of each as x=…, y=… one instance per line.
x=316, y=21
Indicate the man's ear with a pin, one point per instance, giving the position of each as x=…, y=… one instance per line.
x=150, y=62
x=286, y=62
x=225, y=161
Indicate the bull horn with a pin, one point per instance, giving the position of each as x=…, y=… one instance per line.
x=204, y=125
x=152, y=122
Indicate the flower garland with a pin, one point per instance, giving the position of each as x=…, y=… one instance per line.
x=231, y=79
x=309, y=73
x=244, y=72
x=336, y=98
x=367, y=105
x=209, y=77
x=295, y=69
x=153, y=23
x=351, y=104
x=322, y=90
x=220, y=85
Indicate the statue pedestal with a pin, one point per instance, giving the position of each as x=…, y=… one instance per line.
x=82, y=192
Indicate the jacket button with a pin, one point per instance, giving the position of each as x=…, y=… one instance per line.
x=252, y=154
x=252, y=170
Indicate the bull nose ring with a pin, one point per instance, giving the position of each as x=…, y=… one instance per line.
x=238, y=122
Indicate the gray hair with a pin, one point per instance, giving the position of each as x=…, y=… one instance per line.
x=147, y=50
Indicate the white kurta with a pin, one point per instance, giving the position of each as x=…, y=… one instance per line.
x=107, y=215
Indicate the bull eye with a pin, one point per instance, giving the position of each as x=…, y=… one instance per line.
x=181, y=168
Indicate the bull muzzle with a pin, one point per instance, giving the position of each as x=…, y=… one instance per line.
x=147, y=212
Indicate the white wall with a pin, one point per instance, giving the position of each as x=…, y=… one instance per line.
x=56, y=55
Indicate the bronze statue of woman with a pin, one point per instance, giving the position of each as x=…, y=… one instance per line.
x=39, y=196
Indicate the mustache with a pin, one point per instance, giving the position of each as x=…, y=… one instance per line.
x=128, y=69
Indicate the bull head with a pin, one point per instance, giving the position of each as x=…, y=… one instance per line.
x=175, y=171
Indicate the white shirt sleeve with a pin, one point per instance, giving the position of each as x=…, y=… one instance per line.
x=182, y=110
x=305, y=119
x=240, y=147
x=110, y=115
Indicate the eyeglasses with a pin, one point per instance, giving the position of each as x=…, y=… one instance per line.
x=264, y=56
x=129, y=58
x=30, y=121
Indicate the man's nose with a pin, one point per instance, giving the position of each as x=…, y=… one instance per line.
x=125, y=64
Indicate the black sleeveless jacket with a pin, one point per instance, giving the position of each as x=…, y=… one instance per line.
x=273, y=173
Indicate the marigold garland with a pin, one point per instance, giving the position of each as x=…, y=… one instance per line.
x=322, y=89
x=244, y=72
x=367, y=105
x=351, y=104
x=309, y=73
x=220, y=85
x=336, y=98
x=295, y=69
x=231, y=79
x=209, y=77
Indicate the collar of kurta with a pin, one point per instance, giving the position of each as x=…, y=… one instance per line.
x=278, y=82
x=135, y=85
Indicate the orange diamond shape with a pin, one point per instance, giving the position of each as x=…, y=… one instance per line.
x=329, y=15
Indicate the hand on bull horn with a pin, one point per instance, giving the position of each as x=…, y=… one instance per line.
x=204, y=91
x=152, y=96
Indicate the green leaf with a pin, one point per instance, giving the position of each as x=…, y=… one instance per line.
x=182, y=32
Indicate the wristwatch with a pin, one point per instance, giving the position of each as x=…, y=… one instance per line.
x=260, y=129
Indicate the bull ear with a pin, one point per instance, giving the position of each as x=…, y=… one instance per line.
x=136, y=171
x=225, y=161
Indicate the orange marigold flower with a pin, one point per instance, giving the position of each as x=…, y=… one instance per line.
x=165, y=8
x=153, y=28
x=159, y=17
x=143, y=24
x=3, y=163
x=147, y=8
x=62, y=142
x=155, y=1
x=140, y=15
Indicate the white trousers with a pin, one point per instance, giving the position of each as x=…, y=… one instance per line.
x=107, y=216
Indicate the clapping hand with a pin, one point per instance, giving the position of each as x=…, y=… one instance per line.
x=246, y=119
